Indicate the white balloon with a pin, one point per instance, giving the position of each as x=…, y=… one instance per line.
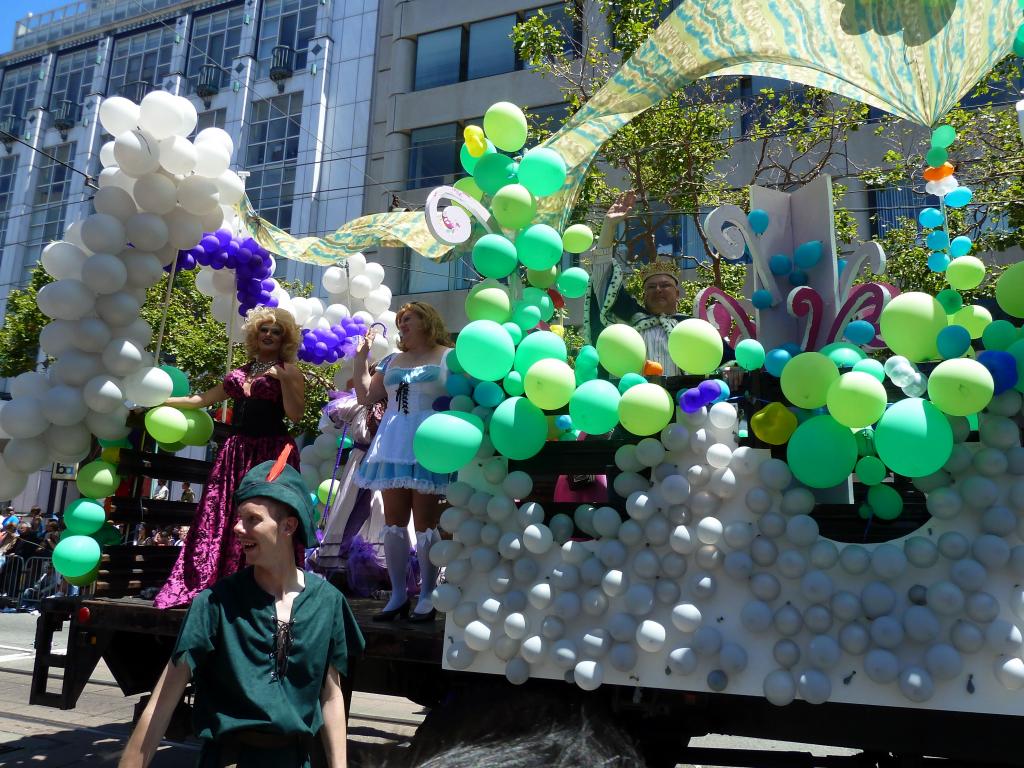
x=231, y=187
x=114, y=177
x=198, y=195
x=29, y=384
x=57, y=337
x=104, y=273
x=72, y=440
x=155, y=193
x=108, y=426
x=144, y=269
x=159, y=114
x=122, y=357
x=375, y=272
x=118, y=308
x=216, y=136
x=334, y=280
x=588, y=675
x=115, y=202
x=378, y=300
x=204, y=282
x=137, y=152
x=92, y=335
x=177, y=155
x=62, y=260
x=186, y=230
x=103, y=393
x=148, y=387
x=74, y=368
x=212, y=159
x=107, y=158
x=23, y=417
x=359, y=286
x=64, y=405
x=356, y=265
x=224, y=282
x=26, y=454
x=65, y=299
x=73, y=235
x=118, y=114
x=12, y=482
x=103, y=233
x=147, y=232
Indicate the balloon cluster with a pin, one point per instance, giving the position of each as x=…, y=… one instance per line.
x=327, y=345
x=705, y=394
x=252, y=263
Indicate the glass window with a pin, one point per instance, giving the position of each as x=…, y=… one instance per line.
x=286, y=22
x=144, y=58
x=890, y=204
x=8, y=173
x=216, y=38
x=547, y=119
x=490, y=47
x=72, y=80
x=18, y=94
x=572, y=32
x=211, y=118
x=49, y=201
x=438, y=58
x=424, y=275
x=273, y=144
x=433, y=154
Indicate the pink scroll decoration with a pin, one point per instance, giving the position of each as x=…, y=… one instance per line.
x=729, y=317
x=864, y=302
x=805, y=302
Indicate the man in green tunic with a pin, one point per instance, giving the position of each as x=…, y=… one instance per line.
x=265, y=647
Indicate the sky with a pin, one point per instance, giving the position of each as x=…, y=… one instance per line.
x=12, y=10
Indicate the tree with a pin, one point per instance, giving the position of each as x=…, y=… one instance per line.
x=19, y=336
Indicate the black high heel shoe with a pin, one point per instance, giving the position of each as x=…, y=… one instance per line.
x=422, y=618
x=402, y=610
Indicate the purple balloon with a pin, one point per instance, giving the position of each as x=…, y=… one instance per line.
x=690, y=400
x=210, y=243
x=187, y=261
x=243, y=310
x=271, y=302
x=223, y=237
x=218, y=260
x=709, y=391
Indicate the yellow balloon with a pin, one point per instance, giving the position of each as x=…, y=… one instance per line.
x=475, y=140
x=774, y=424
x=558, y=330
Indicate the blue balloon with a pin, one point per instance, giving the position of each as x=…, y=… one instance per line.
x=758, y=221
x=792, y=347
x=938, y=261
x=776, y=360
x=489, y=394
x=1003, y=367
x=960, y=246
x=458, y=385
x=953, y=341
x=761, y=298
x=959, y=197
x=937, y=240
x=563, y=422
x=930, y=218
x=840, y=265
x=725, y=393
x=859, y=332
x=780, y=264
x=808, y=254
x=798, y=277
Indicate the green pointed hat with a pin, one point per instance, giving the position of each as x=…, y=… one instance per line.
x=280, y=481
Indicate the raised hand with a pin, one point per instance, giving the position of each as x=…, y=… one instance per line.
x=622, y=206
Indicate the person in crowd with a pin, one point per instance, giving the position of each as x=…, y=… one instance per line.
x=187, y=494
x=25, y=546
x=38, y=523
x=265, y=647
x=143, y=533
x=412, y=380
x=266, y=390
x=163, y=493
x=50, y=538
x=10, y=516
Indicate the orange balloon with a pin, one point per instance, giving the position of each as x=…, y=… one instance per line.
x=936, y=174
x=652, y=368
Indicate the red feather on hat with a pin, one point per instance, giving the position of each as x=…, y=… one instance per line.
x=280, y=464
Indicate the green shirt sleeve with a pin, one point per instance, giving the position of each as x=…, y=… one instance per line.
x=346, y=638
x=198, y=632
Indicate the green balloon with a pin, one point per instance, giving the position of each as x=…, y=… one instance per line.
x=870, y=470
x=200, y=427
x=526, y=316
x=913, y=438
x=1010, y=290
x=629, y=381
x=885, y=502
x=121, y=442
x=549, y=383
x=960, y=387
x=910, y=323
x=445, y=442
x=485, y=350
x=806, y=378
x=856, y=399
x=965, y=272
x=821, y=452
x=505, y=125
x=327, y=489
x=180, y=386
x=750, y=354
x=621, y=350
x=469, y=162
x=594, y=407
x=166, y=424
x=936, y=156
x=587, y=357
x=513, y=206
x=539, y=345
x=573, y=282
x=76, y=555
x=695, y=346
x=494, y=256
x=171, y=447
x=107, y=535
x=843, y=354
x=950, y=301
x=518, y=428
x=539, y=247
x=646, y=409
x=865, y=441
x=1017, y=350
x=542, y=171
x=577, y=238
x=943, y=136
x=514, y=331
x=999, y=334
x=541, y=300
x=468, y=185
x=84, y=516
x=489, y=301
x=488, y=394
x=452, y=363
x=542, y=278
x=513, y=383
x=493, y=172
x=97, y=479
x=871, y=367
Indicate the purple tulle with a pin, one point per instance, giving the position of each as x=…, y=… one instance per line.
x=365, y=572
x=412, y=574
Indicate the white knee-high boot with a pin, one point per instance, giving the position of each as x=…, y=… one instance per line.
x=396, y=555
x=428, y=571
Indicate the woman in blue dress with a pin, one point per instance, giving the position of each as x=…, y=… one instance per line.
x=413, y=379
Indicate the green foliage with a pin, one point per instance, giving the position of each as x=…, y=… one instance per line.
x=19, y=336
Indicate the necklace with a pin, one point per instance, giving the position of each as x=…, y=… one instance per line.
x=257, y=368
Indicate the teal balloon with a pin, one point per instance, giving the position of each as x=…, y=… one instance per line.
x=452, y=362
x=960, y=246
x=953, y=341
x=494, y=256
x=526, y=316
x=999, y=334
x=913, y=438
x=750, y=354
x=492, y=172
x=180, y=386
x=469, y=162
x=587, y=356
x=539, y=345
x=514, y=331
x=630, y=380
x=485, y=350
x=821, y=452
x=76, y=555
x=872, y=367
x=518, y=428
x=513, y=383
x=84, y=516
x=539, y=247
x=959, y=197
x=573, y=282
x=542, y=171
x=843, y=354
x=936, y=157
x=950, y=300
x=594, y=407
x=445, y=442
x=541, y=300
x=930, y=218
x=759, y=221
x=488, y=393
x=943, y=136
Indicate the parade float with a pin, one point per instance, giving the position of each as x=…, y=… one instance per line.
x=708, y=572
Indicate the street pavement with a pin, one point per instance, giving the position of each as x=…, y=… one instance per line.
x=94, y=733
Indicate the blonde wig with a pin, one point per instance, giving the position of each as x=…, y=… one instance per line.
x=433, y=325
x=261, y=315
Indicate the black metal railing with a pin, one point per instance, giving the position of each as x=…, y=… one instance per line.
x=208, y=84
x=282, y=64
x=65, y=116
x=136, y=91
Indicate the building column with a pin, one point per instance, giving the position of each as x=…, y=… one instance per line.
x=176, y=82
x=396, y=147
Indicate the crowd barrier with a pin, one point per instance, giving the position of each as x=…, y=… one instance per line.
x=26, y=581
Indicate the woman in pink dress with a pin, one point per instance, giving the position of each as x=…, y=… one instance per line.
x=265, y=390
